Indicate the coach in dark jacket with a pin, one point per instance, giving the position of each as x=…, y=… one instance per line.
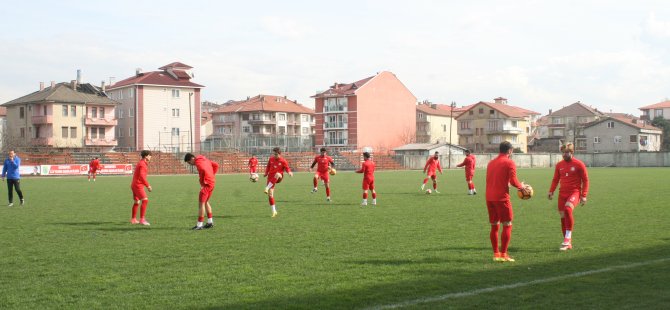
x=10, y=169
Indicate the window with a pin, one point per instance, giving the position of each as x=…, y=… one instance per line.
x=64, y=110
x=282, y=117
x=246, y=129
x=471, y=112
x=131, y=132
x=420, y=115
x=131, y=92
x=491, y=112
x=496, y=139
x=256, y=129
x=22, y=112
x=255, y=117
x=73, y=132
x=102, y=112
x=245, y=117
x=596, y=139
x=444, y=128
x=64, y=131
x=94, y=133
x=556, y=120
x=73, y=110
x=481, y=110
x=305, y=130
x=94, y=112
x=101, y=132
x=617, y=139
x=175, y=112
x=175, y=131
x=23, y=132
x=633, y=139
x=557, y=132
x=515, y=124
x=121, y=113
x=131, y=112
x=610, y=124
x=644, y=140
x=120, y=132
x=658, y=112
x=305, y=117
x=282, y=130
x=581, y=143
x=175, y=93
x=514, y=139
x=465, y=125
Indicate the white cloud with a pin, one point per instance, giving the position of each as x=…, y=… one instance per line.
x=286, y=27
x=657, y=27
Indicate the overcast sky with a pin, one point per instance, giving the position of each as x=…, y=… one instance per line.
x=540, y=55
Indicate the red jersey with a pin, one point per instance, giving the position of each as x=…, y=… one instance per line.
x=367, y=169
x=432, y=164
x=500, y=173
x=572, y=176
x=323, y=163
x=276, y=165
x=94, y=164
x=253, y=162
x=140, y=175
x=206, y=170
x=468, y=163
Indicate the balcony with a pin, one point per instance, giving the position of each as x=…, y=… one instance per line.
x=340, y=141
x=262, y=121
x=505, y=129
x=100, y=122
x=100, y=142
x=43, y=141
x=465, y=132
x=335, y=125
x=556, y=125
x=42, y=119
x=335, y=109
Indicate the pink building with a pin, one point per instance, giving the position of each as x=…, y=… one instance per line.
x=377, y=112
x=160, y=110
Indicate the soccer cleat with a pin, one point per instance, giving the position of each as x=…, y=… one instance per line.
x=208, y=225
x=566, y=245
x=435, y=191
x=144, y=222
x=497, y=257
x=328, y=199
x=196, y=227
x=265, y=191
x=363, y=204
x=470, y=192
x=23, y=201
x=474, y=192
x=504, y=257
x=314, y=190
x=134, y=221
x=11, y=204
x=274, y=214
x=374, y=203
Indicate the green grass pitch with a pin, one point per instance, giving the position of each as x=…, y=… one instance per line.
x=71, y=246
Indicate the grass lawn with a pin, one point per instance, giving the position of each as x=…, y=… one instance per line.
x=72, y=246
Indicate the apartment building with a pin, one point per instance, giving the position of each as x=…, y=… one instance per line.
x=63, y=115
x=436, y=123
x=565, y=125
x=378, y=112
x=160, y=110
x=655, y=110
x=484, y=125
x=621, y=133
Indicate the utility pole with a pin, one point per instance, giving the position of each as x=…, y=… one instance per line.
x=451, y=120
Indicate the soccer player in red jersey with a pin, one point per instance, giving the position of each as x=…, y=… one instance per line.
x=368, y=171
x=432, y=165
x=137, y=186
x=324, y=162
x=574, y=180
x=93, y=168
x=253, y=163
x=469, y=164
x=500, y=173
x=207, y=172
x=274, y=171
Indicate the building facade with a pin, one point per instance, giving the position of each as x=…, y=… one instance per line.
x=484, y=125
x=377, y=112
x=436, y=123
x=622, y=133
x=160, y=110
x=655, y=110
x=565, y=125
x=64, y=115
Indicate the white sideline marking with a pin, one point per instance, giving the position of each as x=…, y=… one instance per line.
x=516, y=285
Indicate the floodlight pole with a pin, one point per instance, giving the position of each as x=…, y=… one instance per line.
x=451, y=120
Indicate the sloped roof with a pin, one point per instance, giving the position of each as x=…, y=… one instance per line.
x=505, y=109
x=175, y=65
x=158, y=78
x=63, y=92
x=264, y=103
x=436, y=109
x=660, y=105
x=629, y=120
x=343, y=89
x=576, y=109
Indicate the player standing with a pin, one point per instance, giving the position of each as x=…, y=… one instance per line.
x=137, y=186
x=93, y=168
x=469, y=164
x=368, y=171
x=500, y=173
x=274, y=171
x=207, y=173
x=253, y=163
x=432, y=164
x=324, y=162
x=574, y=180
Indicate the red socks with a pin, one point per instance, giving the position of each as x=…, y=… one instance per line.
x=425, y=180
x=272, y=201
x=374, y=195
x=143, y=209
x=506, y=237
x=209, y=215
x=316, y=183
x=494, y=237
x=365, y=195
x=328, y=191
x=135, y=207
x=201, y=219
x=569, y=219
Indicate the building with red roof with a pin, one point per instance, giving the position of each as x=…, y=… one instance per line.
x=160, y=110
x=564, y=125
x=654, y=110
x=377, y=112
x=617, y=132
x=484, y=125
x=435, y=123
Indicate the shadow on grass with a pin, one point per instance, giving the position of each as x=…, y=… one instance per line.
x=604, y=289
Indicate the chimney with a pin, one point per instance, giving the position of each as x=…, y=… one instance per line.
x=73, y=84
x=500, y=100
x=103, y=86
x=433, y=106
x=78, y=76
x=53, y=84
x=138, y=71
x=111, y=80
x=549, y=111
x=41, y=86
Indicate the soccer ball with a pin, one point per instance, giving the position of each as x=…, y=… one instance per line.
x=254, y=177
x=332, y=171
x=526, y=193
x=429, y=191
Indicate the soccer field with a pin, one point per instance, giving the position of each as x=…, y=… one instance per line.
x=72, y=246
